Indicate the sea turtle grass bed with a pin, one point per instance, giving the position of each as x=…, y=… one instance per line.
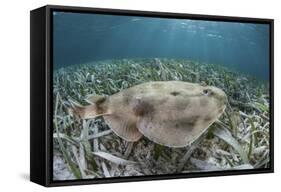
x=89, y=149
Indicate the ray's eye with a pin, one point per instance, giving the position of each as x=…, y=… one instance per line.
x=207, y=92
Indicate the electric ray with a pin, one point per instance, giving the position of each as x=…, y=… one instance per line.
x=170, y=113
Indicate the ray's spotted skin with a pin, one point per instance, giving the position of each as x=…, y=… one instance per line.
x=170, y=113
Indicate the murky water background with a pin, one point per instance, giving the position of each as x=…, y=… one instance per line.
x=81, y=38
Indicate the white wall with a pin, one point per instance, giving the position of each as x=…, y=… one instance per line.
x=14, y=102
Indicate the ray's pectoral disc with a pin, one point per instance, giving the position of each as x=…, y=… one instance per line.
x=171, y=113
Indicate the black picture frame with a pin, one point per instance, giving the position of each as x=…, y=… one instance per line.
x=41, y=69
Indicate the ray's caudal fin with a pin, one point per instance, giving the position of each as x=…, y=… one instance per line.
x=95, y=109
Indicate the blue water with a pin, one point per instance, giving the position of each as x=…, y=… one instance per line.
x=81, y=38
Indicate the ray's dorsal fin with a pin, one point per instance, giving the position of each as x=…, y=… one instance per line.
x=87, y=112
x=95, y=109
x=96, y=99
x=83, y=112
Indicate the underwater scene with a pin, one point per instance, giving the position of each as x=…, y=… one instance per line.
x=137, y=96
